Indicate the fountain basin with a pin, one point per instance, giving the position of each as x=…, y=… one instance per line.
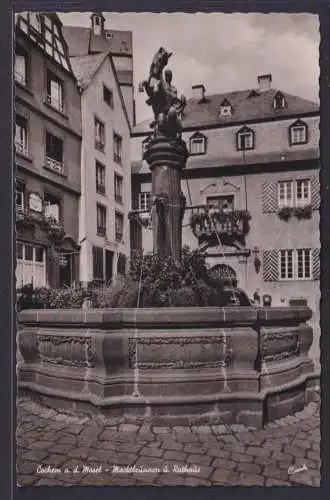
x=172, y=366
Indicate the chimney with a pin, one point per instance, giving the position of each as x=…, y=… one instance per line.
x=198, y=92
x=264, y=82
x=98, y=20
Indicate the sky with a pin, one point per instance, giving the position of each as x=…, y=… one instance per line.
x=224, y=52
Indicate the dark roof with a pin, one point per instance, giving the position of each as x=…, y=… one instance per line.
x=245, y=108
x=85, y=67
x=83, y=41
x=251, y=158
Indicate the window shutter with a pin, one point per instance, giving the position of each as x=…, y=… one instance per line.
x=270, y=265
x=269, y=197
x=315, y=193
x=316, y=263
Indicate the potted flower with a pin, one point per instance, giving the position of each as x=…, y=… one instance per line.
x=304, y=212
x=54, y=228
x=285, y=213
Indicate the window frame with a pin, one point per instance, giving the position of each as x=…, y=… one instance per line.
x=148, y=200
x=50, y=161
x=295, y=264
x=119, y=236
x=18, y=77
x=304, y=201
x=118, y=195
x=117, y=156
x=101, y=230
x=34, y=263
x=100, y=188
x=285, y=203
x=245, y=131
x=99, y=139
x=298, y=124
x=194, y=140
x=56, y=198
x=108, y=91
x=279, y=97
x=21, y=147
x=55, y=103
x=20, y=189
x=296, y=203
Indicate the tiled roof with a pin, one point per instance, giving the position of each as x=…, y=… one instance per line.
x=83, y=41
x=251, y=158
x=85, y=67
x=244, y=108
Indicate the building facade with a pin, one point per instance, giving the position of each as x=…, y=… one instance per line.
x=47, y=142
x=105, y=170
x=252, y=190
x=97, y=39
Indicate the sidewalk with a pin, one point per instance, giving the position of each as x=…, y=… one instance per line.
x=58, y=449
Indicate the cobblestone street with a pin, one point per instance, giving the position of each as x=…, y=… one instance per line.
x=58, y=449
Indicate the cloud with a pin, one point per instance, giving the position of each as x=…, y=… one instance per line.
x=223, y=51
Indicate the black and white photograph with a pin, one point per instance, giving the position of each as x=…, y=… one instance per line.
x=167, y=249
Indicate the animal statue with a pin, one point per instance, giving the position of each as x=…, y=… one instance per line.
x=162, y=97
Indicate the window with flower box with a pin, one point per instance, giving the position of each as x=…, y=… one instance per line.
x=101, y=220
x=118, y=181
x=303, y=192
x=294, y=193
x=21, y=136
x=100, y=177
x=54, y=91
x=54, y=153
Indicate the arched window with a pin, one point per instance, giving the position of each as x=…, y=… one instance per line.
x=197, y=144
x=223, y=275
x=298, y=133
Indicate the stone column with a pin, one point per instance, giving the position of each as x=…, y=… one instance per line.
x=167, y=158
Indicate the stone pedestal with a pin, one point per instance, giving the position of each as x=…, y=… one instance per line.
x=167, y=158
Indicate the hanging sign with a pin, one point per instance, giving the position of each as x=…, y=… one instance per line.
x=35, y=202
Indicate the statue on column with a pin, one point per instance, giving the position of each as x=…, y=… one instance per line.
x=166, y=154
x=163, y=97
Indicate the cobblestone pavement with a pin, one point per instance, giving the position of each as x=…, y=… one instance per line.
x=57, y=449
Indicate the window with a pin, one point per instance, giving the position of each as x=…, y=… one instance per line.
x=101, y=220
x=197, y=144
x=145, y=201
x=118, y=188
x=304, y=268
x=303, y=192
x=54, y=91
x=117, y=148
x=108, y=96
x=98, y=263
x=100, y=178
x=35, y=21
x=286, y=264
x=285, y=194
x=31, y=265
x=54, y=152
x=20, y=69
x=99, y=134
x=245, y=139
x=294, y=193
x=279, y=101
x=20, y=197
x=221, y=203
x=119, y=226
x=298, y=133
x=121, y=264
x=295, y=264
x=225, y=108
x=21, y=144
x=52, y=206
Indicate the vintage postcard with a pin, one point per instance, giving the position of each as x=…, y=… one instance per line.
x=167, y=249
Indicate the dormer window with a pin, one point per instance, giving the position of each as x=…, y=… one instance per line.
x=197, y=144
x=245, y=139
x=225, y=108
x=279, y=101
x=298, y=133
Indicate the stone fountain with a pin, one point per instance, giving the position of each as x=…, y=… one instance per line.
x=173, y=366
